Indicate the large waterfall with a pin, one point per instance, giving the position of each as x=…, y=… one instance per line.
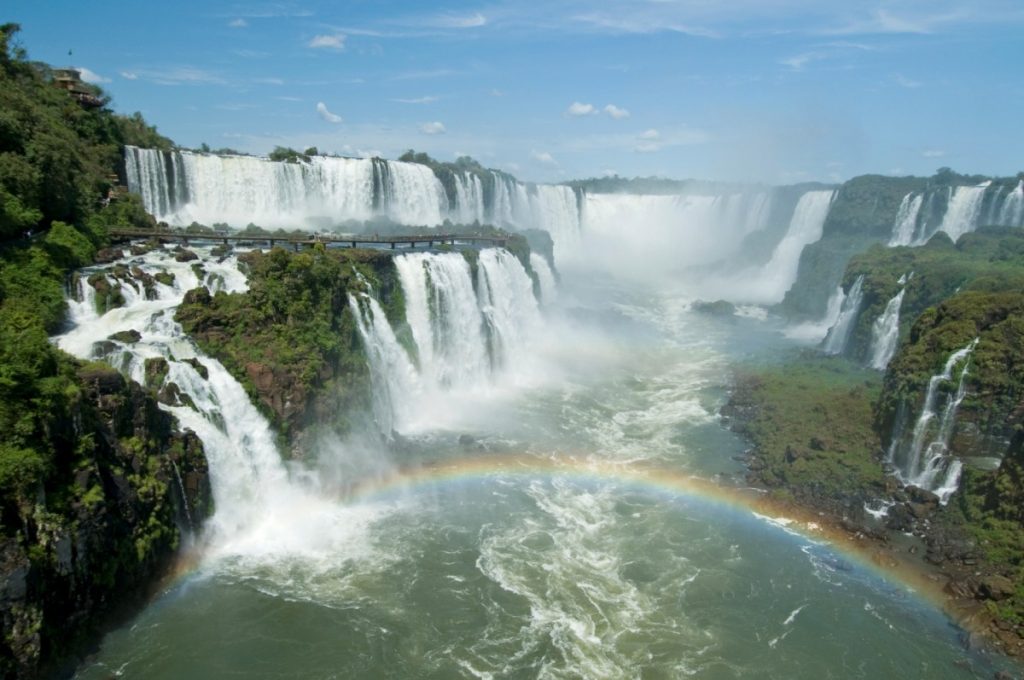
x=924, y=461
x=464, y=336
x=839, y=334
x=885, y=333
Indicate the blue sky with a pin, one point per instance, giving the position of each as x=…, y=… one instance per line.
x=765, y=90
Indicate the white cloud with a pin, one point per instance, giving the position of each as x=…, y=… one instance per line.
x=333, y=41
x=238, y=23
x=580, y=109
x=903, y=81
x=416, y=100
x=456, y=21
x=91, y=76
x=495, y=92
x=615, y=112
x=321, y=108
x=543, y=157
x=797, y=62
x=640, y=25
x=933, y=153
x=183, y=75
x=432, y=128
x=650, y=141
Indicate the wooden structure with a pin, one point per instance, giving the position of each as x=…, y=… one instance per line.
x=297, y=242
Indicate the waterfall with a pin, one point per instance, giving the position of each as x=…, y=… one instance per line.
x=508, y=305
x=446, y=321
x=545, y=277
x=245, y=466
x=394, y=378
x=905, y=226
x=805, y=228
x=839, y=334
x=1011, y=213
x=815, y=331
x=464, y=337
x=963, y=210
x=885, y=333
x=926, y=463
x=469, y=201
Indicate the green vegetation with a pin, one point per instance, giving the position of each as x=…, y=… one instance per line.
x=810, y=420
x=989, y=260
x=291, y=338
x=83, y=454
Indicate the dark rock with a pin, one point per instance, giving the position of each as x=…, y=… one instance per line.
x=101, y=378
x=185, y=255
x=200, y=368
x=108, y=255
x=466, y=441
x=817, y=444
x=197, y=296
x=156, y=370
x=718, y=308
x=166, y=278
x=128, y=337
x=923, y=496
x=996, y=587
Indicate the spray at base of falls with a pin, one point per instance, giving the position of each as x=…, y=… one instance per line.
x=839, y=334
x=885, y=333
x=465, y=338
x=925, y=462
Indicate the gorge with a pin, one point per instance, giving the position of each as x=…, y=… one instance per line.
x=671, y=428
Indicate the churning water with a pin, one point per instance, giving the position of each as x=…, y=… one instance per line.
x=513, y=548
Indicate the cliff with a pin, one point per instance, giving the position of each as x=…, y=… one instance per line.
x=291, y=338
x=101, y=524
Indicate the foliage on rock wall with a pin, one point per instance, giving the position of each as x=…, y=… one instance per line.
x=291, y=338
x=86, y=514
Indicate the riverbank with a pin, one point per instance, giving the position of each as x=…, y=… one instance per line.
x=817, y=455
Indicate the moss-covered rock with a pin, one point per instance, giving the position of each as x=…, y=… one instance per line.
x=291, y=338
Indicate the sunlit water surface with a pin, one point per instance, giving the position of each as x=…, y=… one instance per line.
x=526, y=574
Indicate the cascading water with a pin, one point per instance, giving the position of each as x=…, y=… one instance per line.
x=839, y=334
x=776, y=277
x=508, y=304
x=925, y=462
x=885, y=333
x=256, y=500
x=905, y=226
x=545, y=277
x=464, y=336
x=1011, y=211
x=964, y=208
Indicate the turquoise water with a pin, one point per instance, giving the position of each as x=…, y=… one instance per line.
x=500, y=575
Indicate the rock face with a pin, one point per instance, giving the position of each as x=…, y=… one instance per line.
x=291, y=339
x=104, y=524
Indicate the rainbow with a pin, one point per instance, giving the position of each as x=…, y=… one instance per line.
x=897, y=570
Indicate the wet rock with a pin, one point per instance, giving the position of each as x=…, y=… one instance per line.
x=128, y=337
x=200, y=368
x=922, y=496
x=185, y=255
x=108, y=255
x=156, y=370
x=197, y=296
x=996, y=587
x=102, y=379
x=166, y=278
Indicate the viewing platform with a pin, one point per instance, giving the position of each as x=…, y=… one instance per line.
x=297, y=242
